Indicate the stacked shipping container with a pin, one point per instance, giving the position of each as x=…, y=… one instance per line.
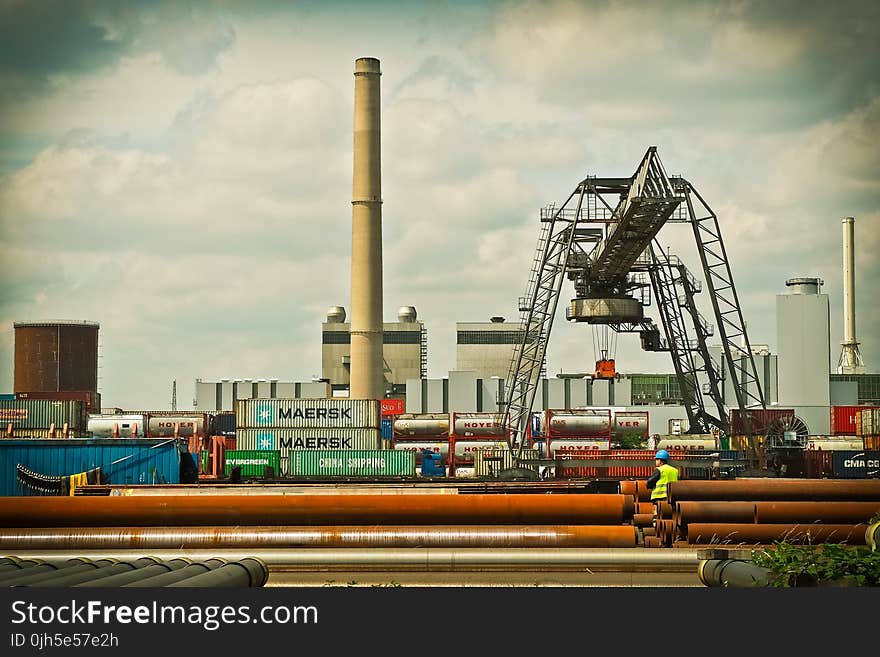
x=290, y=425
x=38, y=418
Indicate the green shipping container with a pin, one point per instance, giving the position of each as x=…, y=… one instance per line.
x=352, y=463
x=253, y=462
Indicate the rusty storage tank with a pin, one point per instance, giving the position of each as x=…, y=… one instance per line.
x=55, y=356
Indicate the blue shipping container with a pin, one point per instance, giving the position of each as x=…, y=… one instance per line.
x=855, y=464
x=122, y=461
x=387, y=428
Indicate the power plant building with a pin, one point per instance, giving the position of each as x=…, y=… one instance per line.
x=404, y=350
x=804, y=343
x=486, y=347
x=222, y=395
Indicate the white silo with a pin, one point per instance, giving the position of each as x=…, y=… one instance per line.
x=803, y=333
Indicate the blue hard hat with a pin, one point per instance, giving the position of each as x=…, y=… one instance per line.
x=662, y=454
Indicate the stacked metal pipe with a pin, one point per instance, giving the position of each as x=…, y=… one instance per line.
x=146, y=571
x=762, y=511
x=326, y=520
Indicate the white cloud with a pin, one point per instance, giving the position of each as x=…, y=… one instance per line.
x=204, y=217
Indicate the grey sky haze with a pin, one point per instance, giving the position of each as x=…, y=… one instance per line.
x=181, y=171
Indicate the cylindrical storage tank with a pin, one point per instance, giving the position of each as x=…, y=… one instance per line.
x=129, y=425
x=629, y=425
x=835, y=444
x=352, y=463
x=307, y=413
x=688, y=442
x=464, y=449
x=42, y=414
x=440, y=446
x=561, y=447
x=420, y=425
x=578, y=423
x=466, y=425
x=52, y=356
x=162, y=424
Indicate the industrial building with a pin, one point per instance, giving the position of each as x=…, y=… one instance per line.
x=486, y=347
x=221, y=395
x=404, y=351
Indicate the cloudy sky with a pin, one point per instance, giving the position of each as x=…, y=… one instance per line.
x=181, y=171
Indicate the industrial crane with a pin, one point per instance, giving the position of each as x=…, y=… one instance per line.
x=603, y=238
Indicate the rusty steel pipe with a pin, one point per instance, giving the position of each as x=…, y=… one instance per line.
x=389, y=536
x=760, y=489
x=735, y=512
x=643, y=519
x=643, y=494
x=746, y=534
x=841, y=513
x=475, y=508
x=644, y=507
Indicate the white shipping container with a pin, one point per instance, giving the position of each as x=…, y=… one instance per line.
x=308, y=414
x=561, y=446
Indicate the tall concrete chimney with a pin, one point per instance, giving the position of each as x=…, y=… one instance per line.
x=367, y=381
x=850, y=361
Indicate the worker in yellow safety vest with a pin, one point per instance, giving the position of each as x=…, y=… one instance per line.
x=658, y=483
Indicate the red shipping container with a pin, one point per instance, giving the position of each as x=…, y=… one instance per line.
x=843, y=419
x=617, y=471
x=392, y=407
x=761, y=420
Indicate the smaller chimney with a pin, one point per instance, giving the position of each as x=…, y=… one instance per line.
x=850, y=361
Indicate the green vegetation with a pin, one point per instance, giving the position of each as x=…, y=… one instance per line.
x=828, y=564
